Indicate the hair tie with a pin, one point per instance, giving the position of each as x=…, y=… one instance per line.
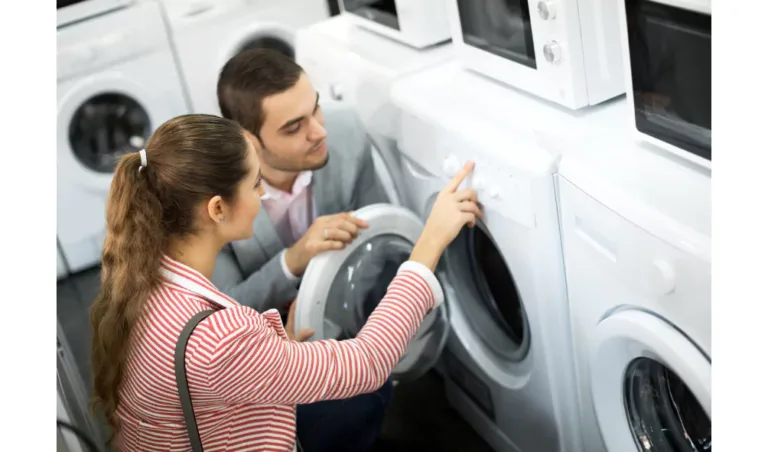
x=143, y=156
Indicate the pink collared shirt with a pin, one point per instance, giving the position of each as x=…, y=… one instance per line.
x=291, y=213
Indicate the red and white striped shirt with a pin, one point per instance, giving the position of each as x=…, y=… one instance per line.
x=245, y=376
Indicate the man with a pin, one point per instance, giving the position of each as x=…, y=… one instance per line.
x=313, y=180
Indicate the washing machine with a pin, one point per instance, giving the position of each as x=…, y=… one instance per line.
x=207, y=33
x=506, y=356
x=116, y=82
x=355, y=66
x=636, y=239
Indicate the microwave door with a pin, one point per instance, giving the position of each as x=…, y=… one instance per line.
x=383, y=12
x=670, y=52
x=500, y=27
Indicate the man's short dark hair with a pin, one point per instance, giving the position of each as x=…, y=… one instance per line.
x=249, y=77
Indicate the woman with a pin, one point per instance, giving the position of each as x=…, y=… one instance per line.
x=170, y=210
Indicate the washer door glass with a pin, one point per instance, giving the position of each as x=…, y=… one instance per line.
x=493, y=307
x=341, y=289
x=362, y=283
x=663, y=413
x=269, y=42
x=105, y=127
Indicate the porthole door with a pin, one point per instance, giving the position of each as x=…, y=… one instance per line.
x=651, y=386
x=341, y=289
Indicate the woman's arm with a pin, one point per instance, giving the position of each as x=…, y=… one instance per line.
x=254, y=363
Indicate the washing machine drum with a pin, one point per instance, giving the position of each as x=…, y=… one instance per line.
x=663, y=413
x=269, y=42
x=105, y=127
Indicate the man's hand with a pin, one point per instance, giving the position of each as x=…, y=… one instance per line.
x=290, y=326
x=330, y=232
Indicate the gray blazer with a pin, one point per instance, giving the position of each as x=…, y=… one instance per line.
x=250, y=270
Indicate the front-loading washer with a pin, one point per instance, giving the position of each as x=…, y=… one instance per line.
x=636, y=240
x=207, y=33
x=116, y=82
x=509, y=363
x=354, y=66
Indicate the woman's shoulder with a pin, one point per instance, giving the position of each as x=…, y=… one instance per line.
x=242, y=320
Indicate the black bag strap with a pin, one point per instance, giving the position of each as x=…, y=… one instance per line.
x=181, y=379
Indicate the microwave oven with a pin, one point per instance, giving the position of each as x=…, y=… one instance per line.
x=565, y=51
x=417, y=23
x=668, y=66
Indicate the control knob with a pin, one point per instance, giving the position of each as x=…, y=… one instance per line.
x=451, y=166
x=552, y=52
x=547, y=9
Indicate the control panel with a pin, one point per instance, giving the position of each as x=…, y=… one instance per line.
x=499, y=185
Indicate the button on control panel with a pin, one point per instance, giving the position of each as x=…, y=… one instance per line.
x=508, y=195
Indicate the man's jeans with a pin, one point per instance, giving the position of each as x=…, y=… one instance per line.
x=343, y=425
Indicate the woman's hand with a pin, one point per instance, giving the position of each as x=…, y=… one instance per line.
x=290, y=327
x=452, y=210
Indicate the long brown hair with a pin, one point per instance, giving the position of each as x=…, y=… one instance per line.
x=190, y=159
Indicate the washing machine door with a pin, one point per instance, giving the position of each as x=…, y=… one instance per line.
x=340, y=289
x=647, y=372
x=99, y=120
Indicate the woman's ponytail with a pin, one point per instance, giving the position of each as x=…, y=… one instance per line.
x=131, y=258
x=155, y=198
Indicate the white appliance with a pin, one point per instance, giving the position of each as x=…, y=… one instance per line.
x=116, y=82
x=667, y=48
x=636, y=240
x=419, y=24
x=207, y=33
x=565, y=51
x=357, y=67
x=69, y=11
x=508, y=358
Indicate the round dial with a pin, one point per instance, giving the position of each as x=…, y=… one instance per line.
x=552, y=52
x=547, y=9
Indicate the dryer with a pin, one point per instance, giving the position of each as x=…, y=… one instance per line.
x=352, y=65
x=116, y=82
x=636, y=239
x=207, y=33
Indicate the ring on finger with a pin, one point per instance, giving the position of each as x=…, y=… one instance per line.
x=325, y=234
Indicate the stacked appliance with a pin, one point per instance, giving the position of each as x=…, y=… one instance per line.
x=117, y=81
x=667, y=47
x=207, y=33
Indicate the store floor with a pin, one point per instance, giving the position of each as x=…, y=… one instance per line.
x=420, y=418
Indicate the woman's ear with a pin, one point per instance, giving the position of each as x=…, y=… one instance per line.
x=217, y=210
